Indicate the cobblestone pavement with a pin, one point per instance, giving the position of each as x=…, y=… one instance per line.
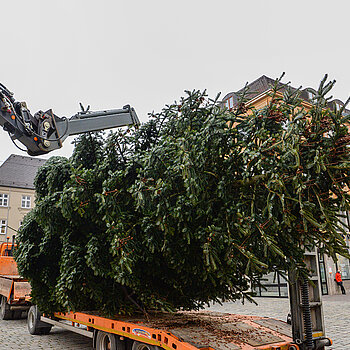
x=14, y=334
x=336, y=310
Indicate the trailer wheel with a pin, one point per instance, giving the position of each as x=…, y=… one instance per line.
x=108, y=341
x=5, y=312
x=33, y=320
x=45, y=330
x=143, y=346
x=17, y=314
x=35, y=326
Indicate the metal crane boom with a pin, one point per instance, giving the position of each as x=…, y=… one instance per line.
x=44, y=132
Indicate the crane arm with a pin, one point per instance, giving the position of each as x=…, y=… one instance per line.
x=44, y=132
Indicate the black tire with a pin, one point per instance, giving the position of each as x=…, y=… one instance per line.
x=33, y=320
x=108, y=341
x=17, y=314
x=35, y=326
x=5, y=312
x=143, y=346
x=45, y=330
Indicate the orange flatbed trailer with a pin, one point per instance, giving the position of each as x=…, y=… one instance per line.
x=177, y=331
x=14, y=290
x=155, y=331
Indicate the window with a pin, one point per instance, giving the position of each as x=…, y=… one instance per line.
x=4, y=200
x=274, y=285
x=323, y=277
x=25, y=201
x=3, y=226
x=343, y=264
x=311, y=95
x=343, y=217
x=231, y=102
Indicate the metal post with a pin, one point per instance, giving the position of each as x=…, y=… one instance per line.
x=306, y=307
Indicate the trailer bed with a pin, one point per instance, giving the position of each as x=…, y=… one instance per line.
x=14, y=288
x=192, y=330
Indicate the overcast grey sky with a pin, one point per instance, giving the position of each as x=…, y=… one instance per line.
x=55, y=54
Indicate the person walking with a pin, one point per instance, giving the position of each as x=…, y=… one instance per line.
x=339, y=281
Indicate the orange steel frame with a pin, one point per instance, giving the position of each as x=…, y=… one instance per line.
x=148, y=335
x=8, y=265
x=5, y=246
x=15, y=297
x=11, y=279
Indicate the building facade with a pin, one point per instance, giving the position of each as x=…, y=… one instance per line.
x=17, y=192
x=258, y=96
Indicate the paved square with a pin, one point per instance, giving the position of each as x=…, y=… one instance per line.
x=14, y=334
x=336, y=310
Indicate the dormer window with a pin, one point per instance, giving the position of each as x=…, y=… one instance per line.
x=338, y=106
x=310, y=95
x=229, y=103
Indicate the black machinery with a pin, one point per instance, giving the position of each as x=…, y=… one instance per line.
x=44, y=132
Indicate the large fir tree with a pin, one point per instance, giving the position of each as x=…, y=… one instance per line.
x=192, y=207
